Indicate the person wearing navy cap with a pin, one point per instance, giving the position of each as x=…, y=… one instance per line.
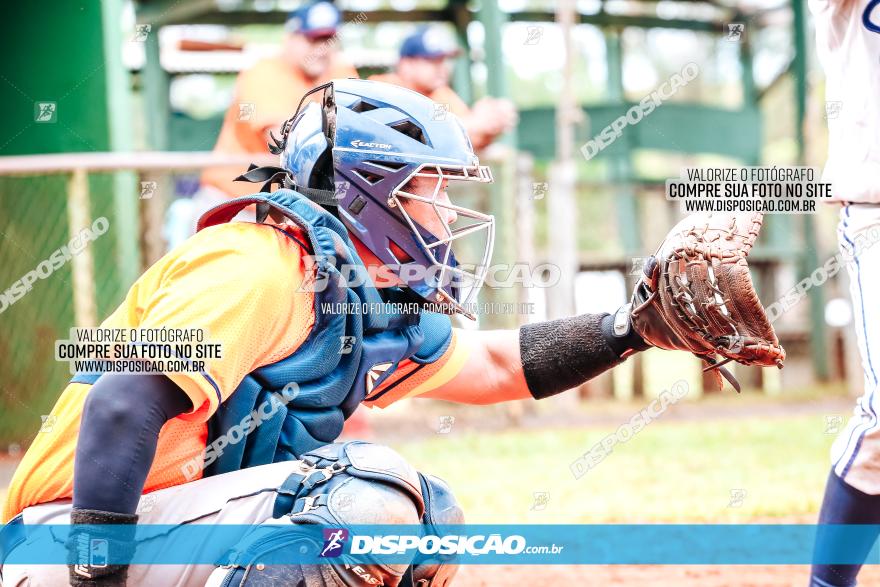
x=267, y=92
x=310, y=43
x=424, y=66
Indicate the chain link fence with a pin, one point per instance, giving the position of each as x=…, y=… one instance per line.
x=33, y=224
x=48, y=285
x=53, y=278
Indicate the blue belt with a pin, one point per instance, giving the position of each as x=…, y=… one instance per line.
x=11, y=535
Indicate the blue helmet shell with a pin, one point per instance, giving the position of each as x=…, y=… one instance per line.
x=363, y=141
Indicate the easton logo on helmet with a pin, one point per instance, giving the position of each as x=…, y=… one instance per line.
x=359, y=143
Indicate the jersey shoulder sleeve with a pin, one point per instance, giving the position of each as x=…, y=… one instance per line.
x=273, y=90
x=239, y=284
x=440, y=358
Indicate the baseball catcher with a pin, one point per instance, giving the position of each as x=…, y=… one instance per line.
x=363, y=188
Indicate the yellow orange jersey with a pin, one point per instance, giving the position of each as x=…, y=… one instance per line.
x=241, y=283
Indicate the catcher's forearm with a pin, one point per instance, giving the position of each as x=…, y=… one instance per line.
x=120, y=426
x=562, y=354
x=122, y=418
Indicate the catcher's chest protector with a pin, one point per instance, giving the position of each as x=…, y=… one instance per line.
x=330, y=367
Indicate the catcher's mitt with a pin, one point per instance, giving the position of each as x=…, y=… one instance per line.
x=696, y=295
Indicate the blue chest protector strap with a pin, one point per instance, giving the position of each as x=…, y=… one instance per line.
x=301, y=401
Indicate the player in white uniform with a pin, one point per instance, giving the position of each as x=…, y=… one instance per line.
x=848, y=37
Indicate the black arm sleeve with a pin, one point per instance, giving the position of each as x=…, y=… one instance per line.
x=120, y=426
x=561, y=354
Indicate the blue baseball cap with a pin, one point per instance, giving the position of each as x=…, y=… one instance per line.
x=429, y=42
x=317, y=19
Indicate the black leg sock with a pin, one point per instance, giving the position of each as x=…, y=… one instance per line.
x=843, y=504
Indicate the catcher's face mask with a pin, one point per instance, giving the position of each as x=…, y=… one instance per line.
x=456, y=240
x=391, y=165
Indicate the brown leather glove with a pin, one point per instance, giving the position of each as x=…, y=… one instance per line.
x=697, y=295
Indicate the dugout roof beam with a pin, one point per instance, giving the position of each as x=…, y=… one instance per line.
x=165, y=12
x=741, y=126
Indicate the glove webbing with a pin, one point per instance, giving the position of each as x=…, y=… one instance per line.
x=685, y=309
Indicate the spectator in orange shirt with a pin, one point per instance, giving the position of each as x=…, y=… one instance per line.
x=424, y=66
x=268, y=92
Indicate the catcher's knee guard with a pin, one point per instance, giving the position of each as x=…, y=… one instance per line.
x=341, y=484
x=441, y=509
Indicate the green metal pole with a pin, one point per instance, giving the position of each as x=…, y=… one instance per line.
x=155, y=94
x=503, y=191
x=461, y=75
x=620, y=166
x=777, y=231
x=625, y=200
x=119, y=113
x=750, y=94
x=156, y=99
x=810, y=259
x=493, y=20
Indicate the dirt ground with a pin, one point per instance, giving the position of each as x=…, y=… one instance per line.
x=652, y=575
x=648, y=575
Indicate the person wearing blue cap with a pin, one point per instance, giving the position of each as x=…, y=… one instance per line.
x=424, y=66
x=268, y=92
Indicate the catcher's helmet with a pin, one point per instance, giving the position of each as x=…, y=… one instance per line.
x=364, y=142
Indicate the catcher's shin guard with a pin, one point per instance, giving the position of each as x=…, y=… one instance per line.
x=441, y=509
x=340, y=484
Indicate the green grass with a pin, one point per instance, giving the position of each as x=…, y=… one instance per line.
x=671, y=471
x=668, y=472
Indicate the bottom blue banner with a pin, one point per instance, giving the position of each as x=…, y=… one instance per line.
x=662, y=544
